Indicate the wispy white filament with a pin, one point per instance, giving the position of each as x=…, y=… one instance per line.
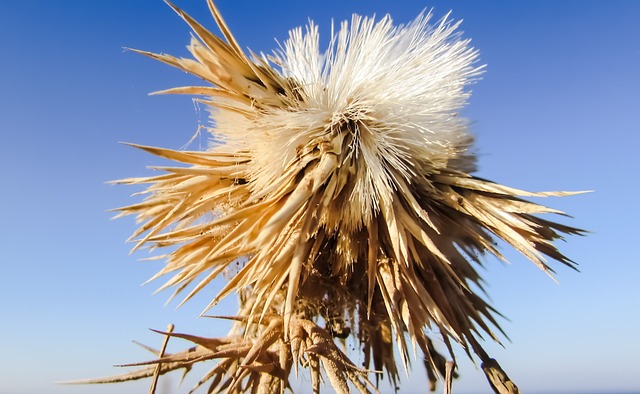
x=403, y=85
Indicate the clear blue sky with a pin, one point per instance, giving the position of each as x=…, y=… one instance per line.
x=557, y=109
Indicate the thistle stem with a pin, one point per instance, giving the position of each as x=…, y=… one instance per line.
x=156, y=373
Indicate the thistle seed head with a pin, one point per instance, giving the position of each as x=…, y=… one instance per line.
x=341, y=179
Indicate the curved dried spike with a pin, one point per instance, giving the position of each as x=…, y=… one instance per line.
x=265, y=78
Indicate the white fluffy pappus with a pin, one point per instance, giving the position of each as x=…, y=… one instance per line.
x=398, y=89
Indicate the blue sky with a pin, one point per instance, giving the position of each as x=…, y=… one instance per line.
x=556, y=110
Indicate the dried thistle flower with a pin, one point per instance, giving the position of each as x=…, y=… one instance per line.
x=341, y=179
